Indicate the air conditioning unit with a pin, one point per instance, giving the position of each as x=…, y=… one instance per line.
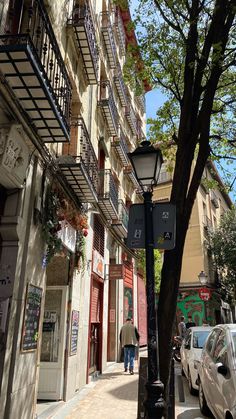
x=14, y=157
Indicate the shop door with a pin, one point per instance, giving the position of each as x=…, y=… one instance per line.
x=94, y=348
x=95, y=327
x=51, y=375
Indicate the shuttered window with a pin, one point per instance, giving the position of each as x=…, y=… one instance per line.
x=99, y=236
x=96, y=298
x=128, y=274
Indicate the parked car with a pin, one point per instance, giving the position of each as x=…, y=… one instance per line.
x=217, y=373
x=190, y=352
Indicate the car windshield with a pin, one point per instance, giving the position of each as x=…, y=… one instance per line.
x=199, y=338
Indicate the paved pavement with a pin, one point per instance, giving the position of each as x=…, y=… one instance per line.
x=114, y=396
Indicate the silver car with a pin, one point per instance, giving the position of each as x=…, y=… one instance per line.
x=190, y=352
x=217, y=373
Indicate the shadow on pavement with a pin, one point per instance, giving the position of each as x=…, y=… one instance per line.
x=126, y=391
x=190, y=414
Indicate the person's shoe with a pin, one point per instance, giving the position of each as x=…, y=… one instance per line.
x=126, y=369
x=131, y=371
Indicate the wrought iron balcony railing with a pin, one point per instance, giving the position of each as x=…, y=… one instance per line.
x=108, y=194
x=128, y=170
x=164, y=177
x=214, y=199
x=120, y=86
x=108, y=37
x=207, y=223
x=81, y=171
x=33, y=66
x=107, y=104
x=85, y=34
x=141, y=102
x=120, y=31
x=121, y=146
x=121, y=224
x=131, y=118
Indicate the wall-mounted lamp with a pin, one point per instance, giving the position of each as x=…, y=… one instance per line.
x=203, y=278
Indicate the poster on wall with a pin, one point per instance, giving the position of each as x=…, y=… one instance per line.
x=128, y=303
x=31, y=319
x=74, y=332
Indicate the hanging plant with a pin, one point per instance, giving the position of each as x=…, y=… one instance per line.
x=51, y=225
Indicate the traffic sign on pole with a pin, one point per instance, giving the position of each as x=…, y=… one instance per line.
x=164, y=220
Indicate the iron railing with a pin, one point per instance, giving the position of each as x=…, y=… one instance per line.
x=37, y=32
x=108, y=188
x=120, y=31
x=120, y=85
x=108, y=36
x=107, y=100
x=123, y=214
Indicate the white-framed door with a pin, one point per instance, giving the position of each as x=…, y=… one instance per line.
x=51, y=374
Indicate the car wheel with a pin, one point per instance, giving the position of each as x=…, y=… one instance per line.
x=202, y=402
x=190, y=386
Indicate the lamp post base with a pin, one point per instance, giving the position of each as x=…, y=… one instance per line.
x=154, y=403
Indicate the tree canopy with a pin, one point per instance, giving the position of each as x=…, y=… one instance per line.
x=188, y=48
x=221, y=243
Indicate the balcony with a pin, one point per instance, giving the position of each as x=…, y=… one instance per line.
x=141, y=102
x=121, y=224
x=120, y=30
x=214, y=199
x=108, y=195
x=108, y=107
x=128, y=170
x=108, y=38
x=32, y=65
x=85, y=35
x=131, y=118
x=207, y=223
x=81, y=172
x=164, y=177
x=121, y=147
x=120, y=86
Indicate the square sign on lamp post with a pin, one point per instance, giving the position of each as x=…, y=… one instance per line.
x=163, y=226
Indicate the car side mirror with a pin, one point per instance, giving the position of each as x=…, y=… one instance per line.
x=222, y=369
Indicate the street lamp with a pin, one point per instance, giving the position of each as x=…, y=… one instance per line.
x=146, y=161
x=202, y=278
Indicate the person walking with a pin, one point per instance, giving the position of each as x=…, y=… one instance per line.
x=129, y=338
x=190, y=322
x=182, y=328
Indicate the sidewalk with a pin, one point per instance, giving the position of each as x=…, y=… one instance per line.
x=114, y=396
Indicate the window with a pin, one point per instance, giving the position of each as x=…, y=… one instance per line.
x=211, y=339
x=99, y=236
x=199, y=339
x=220, y=351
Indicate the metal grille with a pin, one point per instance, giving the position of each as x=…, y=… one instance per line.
x=99, y=236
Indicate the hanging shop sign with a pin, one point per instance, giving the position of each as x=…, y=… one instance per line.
x=116, y=272
x=204, y=294
x=98, y=263
x=30, y=331
x=67, y=234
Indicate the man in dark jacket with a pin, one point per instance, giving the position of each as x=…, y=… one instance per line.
x=129, y=338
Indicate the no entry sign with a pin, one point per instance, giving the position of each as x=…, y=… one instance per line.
x=205, y=294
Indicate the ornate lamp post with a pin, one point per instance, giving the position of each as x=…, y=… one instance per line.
x=146, y=162
x=202, y=278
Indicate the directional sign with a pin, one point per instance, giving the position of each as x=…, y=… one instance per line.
x=164, y=216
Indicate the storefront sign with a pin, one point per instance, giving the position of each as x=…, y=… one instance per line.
x=116, y=271
x=67, y=234
x=98, y=264
x=74, y=332
x=29, y=340
x=204, y=294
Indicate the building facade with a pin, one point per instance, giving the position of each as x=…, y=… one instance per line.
x=208, y=208
x=67, y=122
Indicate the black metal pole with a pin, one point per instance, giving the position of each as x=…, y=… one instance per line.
x=154, y=403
